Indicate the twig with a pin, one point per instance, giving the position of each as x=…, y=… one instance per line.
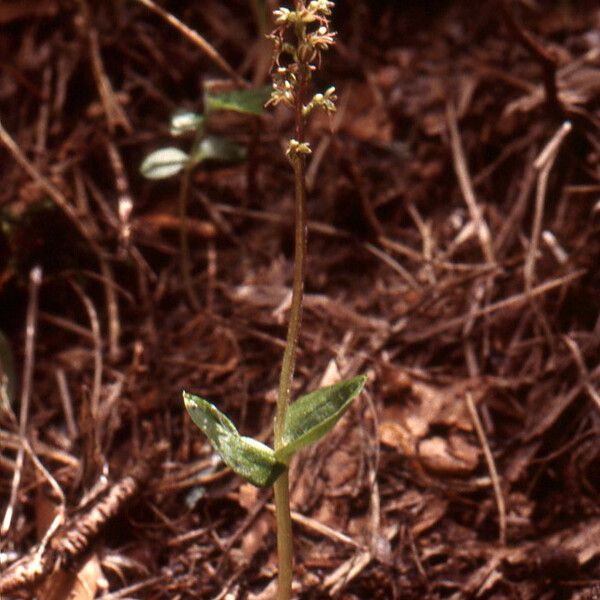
x=12, y=441
x=415, y=553
x=583, y=370
x=346, y=572
x=95, y=276
x=188, y=537
x=320, y=528
x=554, y=246
x=466, y=186
x=106, y=277
x=510, y=227
x=125, y=206
x=91, y=423
x=195, y=480
x=67, y=325
x=360, y=185
x=115, y=115
x=96, y=332
x=59, y=517
x=135, y=588
x=219, y=222
x=542, y=55
x=489, y=458
x=59, y=199
x=492, y=308
x=543, y=164
x=42, y=123
x=211, y=276
x=246, y=523
x=428, y=243
x=445, y=265
x=75, y=537
x=393, y=264
x=35, y=280
x=65, y=396
x=54, y=193
x=117, y=222
x=548, y=155
x=328, y=230
x=196, y=39
x=112, y=307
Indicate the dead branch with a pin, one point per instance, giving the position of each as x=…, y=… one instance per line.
x=72, y=540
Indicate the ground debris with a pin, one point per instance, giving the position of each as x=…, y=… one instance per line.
x=72, y=540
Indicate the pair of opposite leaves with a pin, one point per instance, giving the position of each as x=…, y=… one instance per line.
x=307, y=420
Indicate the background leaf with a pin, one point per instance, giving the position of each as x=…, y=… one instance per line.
x=213, y=147
x=185, y=121
x=250, y=101
x=164, y=163
x=312, y=416
x=249, y=458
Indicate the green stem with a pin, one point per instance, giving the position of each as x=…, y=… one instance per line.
x=282, y=496
x=289, y=355
x=184, y=244
x=282, y=493
x=285, y=549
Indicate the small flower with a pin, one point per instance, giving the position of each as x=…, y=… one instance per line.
x=296, y=148
x=329, y=100
x=321, y=6
x=308, y=17
x=325, y=101
x=282, y=15
x=307, y=52
x=321, y=39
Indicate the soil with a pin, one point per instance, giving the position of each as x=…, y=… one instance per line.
x=453, y=257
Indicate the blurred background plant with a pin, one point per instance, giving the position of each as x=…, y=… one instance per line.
x=169, y=161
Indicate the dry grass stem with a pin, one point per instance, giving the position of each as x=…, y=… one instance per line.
x=511, y=302
x=35, y=281
x=466, y=186
x=491, y=464
x=543, y=165
x=583, y=370
x=196, y=39
x=115, y=115
x=319, y=528
x=67, y=402
x=46, y=185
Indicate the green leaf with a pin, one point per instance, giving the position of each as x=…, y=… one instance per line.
x=250, y=101
x=185, y=121
x=216, y=148
x=312, y=416
x=249, y=458
x=164, y=163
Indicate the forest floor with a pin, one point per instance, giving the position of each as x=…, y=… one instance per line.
x=454, y=257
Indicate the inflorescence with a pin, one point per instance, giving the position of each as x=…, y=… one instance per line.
x=294, y=62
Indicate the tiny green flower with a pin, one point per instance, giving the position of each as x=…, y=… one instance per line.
x=296, y=148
